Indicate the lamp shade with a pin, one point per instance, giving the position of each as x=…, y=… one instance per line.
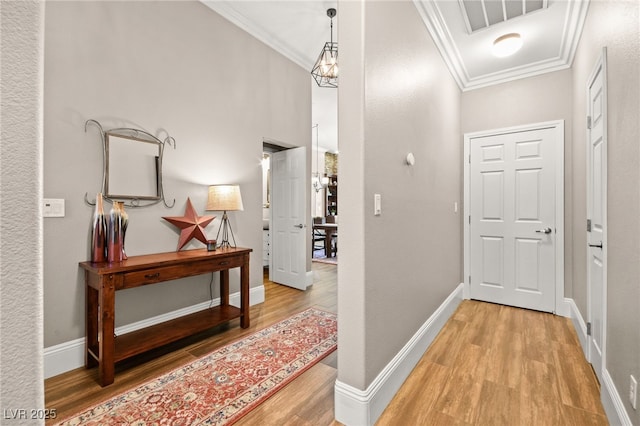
x=224, y=198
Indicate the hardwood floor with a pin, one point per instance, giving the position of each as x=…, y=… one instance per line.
x=490, y=365
x=498, y=365
x=76, y=390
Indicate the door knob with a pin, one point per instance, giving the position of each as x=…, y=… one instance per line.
x=544, y=231
x=599, y=245
x=299, y=226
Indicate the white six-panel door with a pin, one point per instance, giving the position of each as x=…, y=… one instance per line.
x=512, y=223
x=596, y=214
x=288, y=218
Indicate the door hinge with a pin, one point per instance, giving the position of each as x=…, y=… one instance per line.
x=469, y=279
x=588, y=329
x=469, y=219
x=469, y=158
x=589, y=122
x=588, y=225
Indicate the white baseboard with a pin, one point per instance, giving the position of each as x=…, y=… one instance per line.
x=578, y=324
x=63, y=357
x=611, y=401
x=565, y=308
x=363, y=407
x=67, y=356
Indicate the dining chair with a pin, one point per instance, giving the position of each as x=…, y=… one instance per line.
x=319, y=238
x=334, y=234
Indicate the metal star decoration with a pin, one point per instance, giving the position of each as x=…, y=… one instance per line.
x=191, y=225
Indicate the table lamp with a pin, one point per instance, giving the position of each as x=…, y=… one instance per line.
x=225, y=198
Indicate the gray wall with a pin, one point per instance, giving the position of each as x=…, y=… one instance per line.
x=614, y=24
x=383, y=285
x=21, y=57
x=161, y=66
x=400, y=266
x=562, y=95
x=532, y=100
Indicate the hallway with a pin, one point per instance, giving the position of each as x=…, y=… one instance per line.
x=498, y=365
x=490, y=365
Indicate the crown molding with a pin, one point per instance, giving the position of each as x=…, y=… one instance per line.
x=573, y=25
x=436, y=25
x=516, y=73
x=434, y=21
x=227, y=11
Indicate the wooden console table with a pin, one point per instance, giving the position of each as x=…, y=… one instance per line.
x=104, y=279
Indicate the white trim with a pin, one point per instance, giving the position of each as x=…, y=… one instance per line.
x=436, y=25
x=64, y=357
x=67, y=356
x=309, y=278
x=516, y=73
x=433, y=20
x=572, y=31
x=560, y=217
x=227, y=11
x=609, y=396
x=612, y=403
x=357, y=407
x=558, y=125
x=564, y=310
x=579, y=324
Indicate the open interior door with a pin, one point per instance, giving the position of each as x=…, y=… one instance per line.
x=289, y=234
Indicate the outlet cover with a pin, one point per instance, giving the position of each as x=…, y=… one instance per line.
x=53, y=207
x=633, y=391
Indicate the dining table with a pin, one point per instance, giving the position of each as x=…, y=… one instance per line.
x=330, y=230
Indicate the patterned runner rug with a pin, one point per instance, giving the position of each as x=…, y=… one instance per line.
x=223, y=386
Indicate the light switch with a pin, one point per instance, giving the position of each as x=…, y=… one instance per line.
x=377, y=204
x=53, y=207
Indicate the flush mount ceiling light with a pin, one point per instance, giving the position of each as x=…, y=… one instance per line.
x=507, y=44
x=325, y=70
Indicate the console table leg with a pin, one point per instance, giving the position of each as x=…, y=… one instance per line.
x=106, y=328
x=244, y=292
x=224, y=287
x=91, y=325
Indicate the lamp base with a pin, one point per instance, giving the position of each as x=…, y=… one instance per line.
x=225, y=227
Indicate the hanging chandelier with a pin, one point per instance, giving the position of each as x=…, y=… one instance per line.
x=319, y=181
x=325, y=70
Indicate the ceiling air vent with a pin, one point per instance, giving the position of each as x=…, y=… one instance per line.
x=479, y=14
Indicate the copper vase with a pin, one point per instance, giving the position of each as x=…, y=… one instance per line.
x=99, y=233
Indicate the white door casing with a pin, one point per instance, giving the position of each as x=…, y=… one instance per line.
x=514, y=194
x=289, y=218
x=597, y=214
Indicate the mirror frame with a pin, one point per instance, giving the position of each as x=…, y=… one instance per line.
x=110, y=160
x=135, y=135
